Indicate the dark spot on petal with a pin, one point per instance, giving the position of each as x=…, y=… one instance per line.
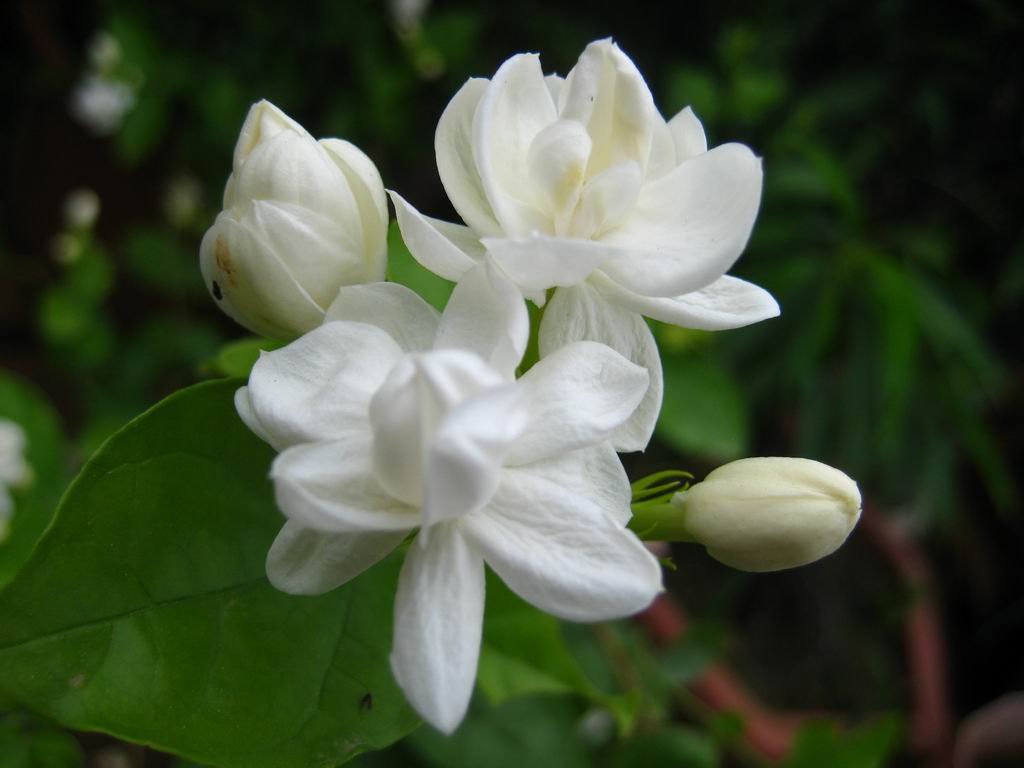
x=366, y=703
x=216, y=291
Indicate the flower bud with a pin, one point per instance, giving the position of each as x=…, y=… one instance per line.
x=301, y=219
x=770, y=513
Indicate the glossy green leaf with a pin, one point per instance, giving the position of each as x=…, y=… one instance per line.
x=145, y=612
x=703, y=413
x=45, y=452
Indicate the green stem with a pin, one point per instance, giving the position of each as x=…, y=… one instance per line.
x=660, y=521
x=532, y=353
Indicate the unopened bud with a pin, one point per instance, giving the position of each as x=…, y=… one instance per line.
x=770, y=513
x=301, y=219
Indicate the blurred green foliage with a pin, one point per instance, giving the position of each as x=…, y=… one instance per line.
x=889, y=233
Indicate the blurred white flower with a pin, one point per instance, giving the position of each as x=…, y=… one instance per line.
x=81, y=209
x=104, y=51
x=390, y=418
x=301, y=219
x=182, y=198
x=770, y=513
x=580, y=185
x=100, y=104
x=407, y=14
x=14, y=470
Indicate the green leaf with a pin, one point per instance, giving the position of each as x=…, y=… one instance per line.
x=523, y=650
x=704, y=412
x=238, y=357
x=144, y=126
x=701, y=646
x=145, y=612
x=538, y=731
x=668, y=748
x=404, y=269
x=157, y=258
x=45, y=452
x=30, y=742
x=820, y=743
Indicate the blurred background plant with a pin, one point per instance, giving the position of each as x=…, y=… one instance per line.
x=890, y=232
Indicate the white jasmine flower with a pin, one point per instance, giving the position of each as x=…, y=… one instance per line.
x=580, y=185
x=14, y=470
x=390, y=418
x=100, y=103
x=301, y=219
x=770, y=513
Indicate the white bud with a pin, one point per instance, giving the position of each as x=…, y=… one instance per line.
x=301, y=219
x=770, y=513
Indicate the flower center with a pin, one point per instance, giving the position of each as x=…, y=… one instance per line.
x=409, y=407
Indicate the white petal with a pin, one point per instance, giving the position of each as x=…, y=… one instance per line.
x=554, y=84
x=539, y=262
x=727, y=303
x=514, y=108
x=320, y=385
x=263, y=122
x=578, y=395
x=486, y=314
x=688, y=135
x=406, y=410
x=453, y=145
x=330, y=486
x=368, y=189
x=595, y=473
x=557, y=162
x=561, y=553
x=395, y=309
x=690, y=225
x=430, y=244
x=321, y=254
x=304, y=561
x=468, y=451
x=438, y=621
x=607, y=198
x=243, y=405
x=295, y=169
x=581, y=313
x=251, y=284
x=607, y=93
x=663, y=151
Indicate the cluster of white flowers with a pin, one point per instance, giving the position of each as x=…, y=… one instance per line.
x=392, y=420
